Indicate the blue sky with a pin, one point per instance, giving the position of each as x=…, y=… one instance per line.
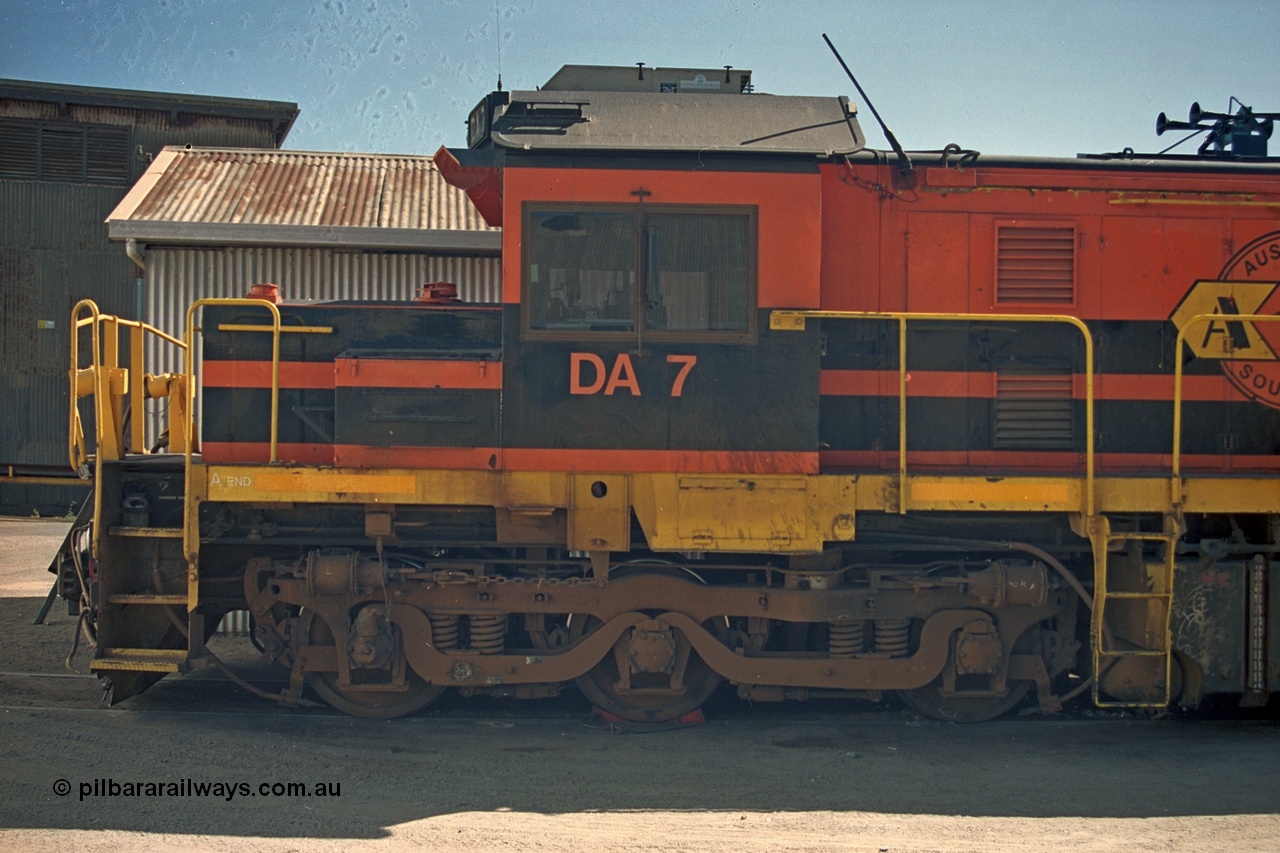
x=399, y=76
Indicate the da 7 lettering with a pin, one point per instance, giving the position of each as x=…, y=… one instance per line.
x=589, y=374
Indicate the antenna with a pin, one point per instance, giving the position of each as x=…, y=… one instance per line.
x=497, y=32
x=904, y=162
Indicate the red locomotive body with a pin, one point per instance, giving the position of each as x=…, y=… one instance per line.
x=758, y=406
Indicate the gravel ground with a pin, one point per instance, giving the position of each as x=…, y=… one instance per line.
x=27, y=546
x=545, y=776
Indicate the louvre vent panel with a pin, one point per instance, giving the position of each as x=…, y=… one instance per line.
x=19, y=148
x=1036, y=265
x=1034, y=411
x=62, y=151
x=107, y=155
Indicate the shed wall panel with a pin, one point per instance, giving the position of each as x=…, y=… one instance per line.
x=54, y=251
x=34, y=428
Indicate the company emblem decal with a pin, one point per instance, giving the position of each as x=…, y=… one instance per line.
x=1246, y=350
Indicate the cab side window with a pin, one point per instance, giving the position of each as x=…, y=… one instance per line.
x=664, y=272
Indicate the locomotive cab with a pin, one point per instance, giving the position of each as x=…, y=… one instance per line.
x=655, y=231
x=635, y=336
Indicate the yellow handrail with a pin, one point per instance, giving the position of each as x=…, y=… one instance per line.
x=189, y=367
x=794, y=320
x=191, y=537
x=1180, y=341
x=108, y=383
x=76, y=451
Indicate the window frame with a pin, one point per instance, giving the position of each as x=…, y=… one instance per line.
x=641, y=332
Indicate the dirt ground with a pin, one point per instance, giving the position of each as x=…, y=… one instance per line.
x=486, y=775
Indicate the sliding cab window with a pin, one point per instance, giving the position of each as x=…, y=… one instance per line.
x=656, y=272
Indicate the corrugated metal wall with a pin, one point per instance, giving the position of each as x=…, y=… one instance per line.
x=180, y=276
x=152, y=132
x=53, y=252
x=177, y=277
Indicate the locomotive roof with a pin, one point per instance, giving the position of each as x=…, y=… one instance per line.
x=1120, y=162
x=689, y=122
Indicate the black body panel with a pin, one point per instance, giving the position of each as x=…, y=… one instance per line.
x=736, y=397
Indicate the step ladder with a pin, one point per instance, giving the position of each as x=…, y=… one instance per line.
x=1132, y=610
x=142, y=660
x=139, y=660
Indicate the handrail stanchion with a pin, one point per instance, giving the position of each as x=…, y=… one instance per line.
x=76, y=451
x=902, y=415
x=191, y=533
x=791, y=320
x=1179, y=343
x=189, y=366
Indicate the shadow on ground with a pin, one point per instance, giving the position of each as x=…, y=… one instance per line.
x=552, y=758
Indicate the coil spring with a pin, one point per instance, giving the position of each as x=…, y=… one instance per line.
x=893, y=637
x=488, y=633
x=845, y=638
x=444, y=631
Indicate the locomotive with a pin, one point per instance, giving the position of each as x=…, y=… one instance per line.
x=759, y=406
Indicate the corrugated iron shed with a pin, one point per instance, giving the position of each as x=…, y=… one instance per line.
x=68, y=155
x=50, y=101
x=230, y=197
x=213, y=222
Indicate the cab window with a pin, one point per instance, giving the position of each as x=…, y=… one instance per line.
x=658, y=271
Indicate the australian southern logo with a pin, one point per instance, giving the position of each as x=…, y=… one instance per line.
x=1245, y=349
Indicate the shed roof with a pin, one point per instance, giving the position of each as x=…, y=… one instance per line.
x=233, y=196
x=279, y=114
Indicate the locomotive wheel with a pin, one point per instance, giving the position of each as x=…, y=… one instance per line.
x=930, y=702
x=602, y=684
x=602, y=687
x=373, y=704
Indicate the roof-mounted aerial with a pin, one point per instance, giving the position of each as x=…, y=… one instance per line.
x=904, y=162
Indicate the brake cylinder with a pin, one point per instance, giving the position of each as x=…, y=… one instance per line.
x=1006, y=582
x=345, y=573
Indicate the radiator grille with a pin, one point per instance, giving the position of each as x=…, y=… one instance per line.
x=1036, y=265
x=1033, y=411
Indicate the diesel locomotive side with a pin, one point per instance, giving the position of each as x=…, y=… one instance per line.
x=758, y=406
